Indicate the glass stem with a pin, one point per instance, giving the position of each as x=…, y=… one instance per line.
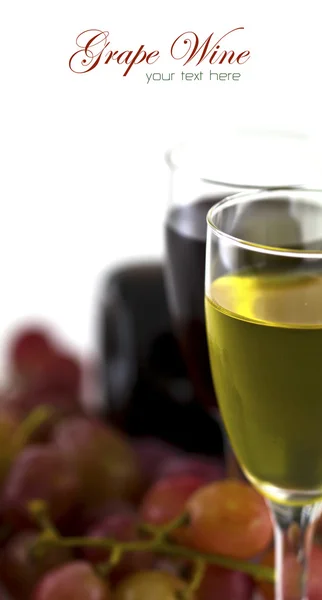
x=294, y=528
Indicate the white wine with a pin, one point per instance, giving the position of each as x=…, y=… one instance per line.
x=265, y=344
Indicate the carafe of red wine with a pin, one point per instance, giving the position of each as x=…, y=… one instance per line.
x=192, y=196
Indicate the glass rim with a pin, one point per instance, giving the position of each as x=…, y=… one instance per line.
x=228, y=184
x=262, y=194
x=192, y=155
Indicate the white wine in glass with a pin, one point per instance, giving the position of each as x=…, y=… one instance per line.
x=264, y=328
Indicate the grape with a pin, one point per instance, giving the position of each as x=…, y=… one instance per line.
x=92, y=516
x=62, y=372
x=174, y=566
x=151, y=454
x=121, y=527
x=224, y=584
x=230, y=518
x=167, y=499
x=291, y=575
x=62, y=403
x=28, y=350
x=209, y=469
x=102, y=458
x=39, y=472
x=82, y=518
x=149, y=585
x=20, y=568
x=74, y=581
x=40, y=364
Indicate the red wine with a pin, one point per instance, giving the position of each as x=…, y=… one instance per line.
x=185, y=278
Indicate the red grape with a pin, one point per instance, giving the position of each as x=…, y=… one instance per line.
x=121, y=527
x=74, y=581
x=230, y=518
x=167, y=499
x=223, y=584
x=40, y=472
x=149, y=585
x=172, y=565
x=102, y=458
x=40, y=364
x=291, y=574
x=20, y=568
x=29, y=350
x=151, y=454
x=210, y=469
x=62, y=372
x=62, y=403
x=82, y=518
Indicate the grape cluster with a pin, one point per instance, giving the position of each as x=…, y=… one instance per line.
x=88, y=514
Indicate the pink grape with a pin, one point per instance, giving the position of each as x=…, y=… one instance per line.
x=20, y=568
x=40, y=472
x=210, y=469
x=173, y=566
x=124, y=528
x=82, y=518
x=61, y=401
x=41, y=364
x=62, y=372
x=166, y=500
x=151, y=454
x=291, y=577
x=74, y=581
x=223, y=584
x=28, y=350
x=102, y=458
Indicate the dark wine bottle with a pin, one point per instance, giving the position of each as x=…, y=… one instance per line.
x=146, y=389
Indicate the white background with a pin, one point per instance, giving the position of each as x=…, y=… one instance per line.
x=83, y=181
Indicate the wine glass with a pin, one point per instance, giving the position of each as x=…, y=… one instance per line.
x=200, y=171
x=263, y=287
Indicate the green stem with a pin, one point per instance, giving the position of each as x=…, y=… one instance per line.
x=104, y=568
x=38, y=510
x=197, y=577
x=161, y=532
x=159, y=544
x=31, y=423
x=259, y=572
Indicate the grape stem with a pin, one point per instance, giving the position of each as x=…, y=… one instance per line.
x=104, y=568
x=31, y=423
x=39, y=513
x=161, y=533
x=259, y=572
x=158, y=543
x=196, y=578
